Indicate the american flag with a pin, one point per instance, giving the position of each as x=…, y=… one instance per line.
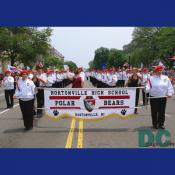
x=13, y=69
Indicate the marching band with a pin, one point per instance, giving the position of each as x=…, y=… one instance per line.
x=156, y=87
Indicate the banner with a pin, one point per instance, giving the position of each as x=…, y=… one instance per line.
x=89, y=104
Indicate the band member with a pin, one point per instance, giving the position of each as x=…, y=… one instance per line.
x=77, y=81
x=43, y=80
x=134, y=81
x=37, y=83
x=82, y=74
x=25, y=91
x=122, y=77
x=160, y=88
x=99, y=79
x=50, y=79
x=64, y=80
x=8, y=83
x=70, y=75
x=59, y=79
x=30, y=74
x=144, y=78
x=112, y=78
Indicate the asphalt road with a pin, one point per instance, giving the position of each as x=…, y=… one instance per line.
x=69, y=133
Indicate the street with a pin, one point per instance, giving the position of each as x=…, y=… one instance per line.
x=70, y=133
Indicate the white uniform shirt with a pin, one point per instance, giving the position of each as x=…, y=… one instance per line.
x=103, y=77
x=122, y=75
x=99, y=77
x=8, y=83
x=58, y=77
x=144, y=79
x=82, y=75
x=42, y=77
x=159, y=86
x=112, y=79
x=129, y=75
x=54, y=77
x=25, y=89
x=50, y=81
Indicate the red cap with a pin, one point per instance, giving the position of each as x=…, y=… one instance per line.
x=7, y=72
x=24, y=72
x=29, y=71
x=49, y=72
x=145, y=70
x=158, y=68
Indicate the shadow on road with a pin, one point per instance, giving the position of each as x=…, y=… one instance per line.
x=17, y=130
x=61, y=130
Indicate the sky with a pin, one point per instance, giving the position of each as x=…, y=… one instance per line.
x=78, y=44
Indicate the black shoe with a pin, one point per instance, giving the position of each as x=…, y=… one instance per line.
x=162, y=127
x=29, y=128
x=155, y=127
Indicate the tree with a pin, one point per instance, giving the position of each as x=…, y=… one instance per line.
x=101, y=57
x=91, y=64
x=53, y=63
x=116, y=58
x=110, y=57
x=71, y=64
x=24, y=44
x=143, y=48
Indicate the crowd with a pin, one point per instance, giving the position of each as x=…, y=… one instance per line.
x=156, y=86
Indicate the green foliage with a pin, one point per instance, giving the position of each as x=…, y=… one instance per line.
x=101, y=57
x=53, y=63
x=116, y=58
x=112, y=57
x=24, y=44
x=150, y=44
x=91, y=65
x=71, y=64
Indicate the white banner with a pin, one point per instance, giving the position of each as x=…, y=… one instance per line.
x=89, y=104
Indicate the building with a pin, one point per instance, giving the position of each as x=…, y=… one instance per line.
x=54, y=52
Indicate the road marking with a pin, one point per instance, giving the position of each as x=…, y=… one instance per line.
x=167, y=115
x=70, y=135
x=80, y=135
x=9, y=109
